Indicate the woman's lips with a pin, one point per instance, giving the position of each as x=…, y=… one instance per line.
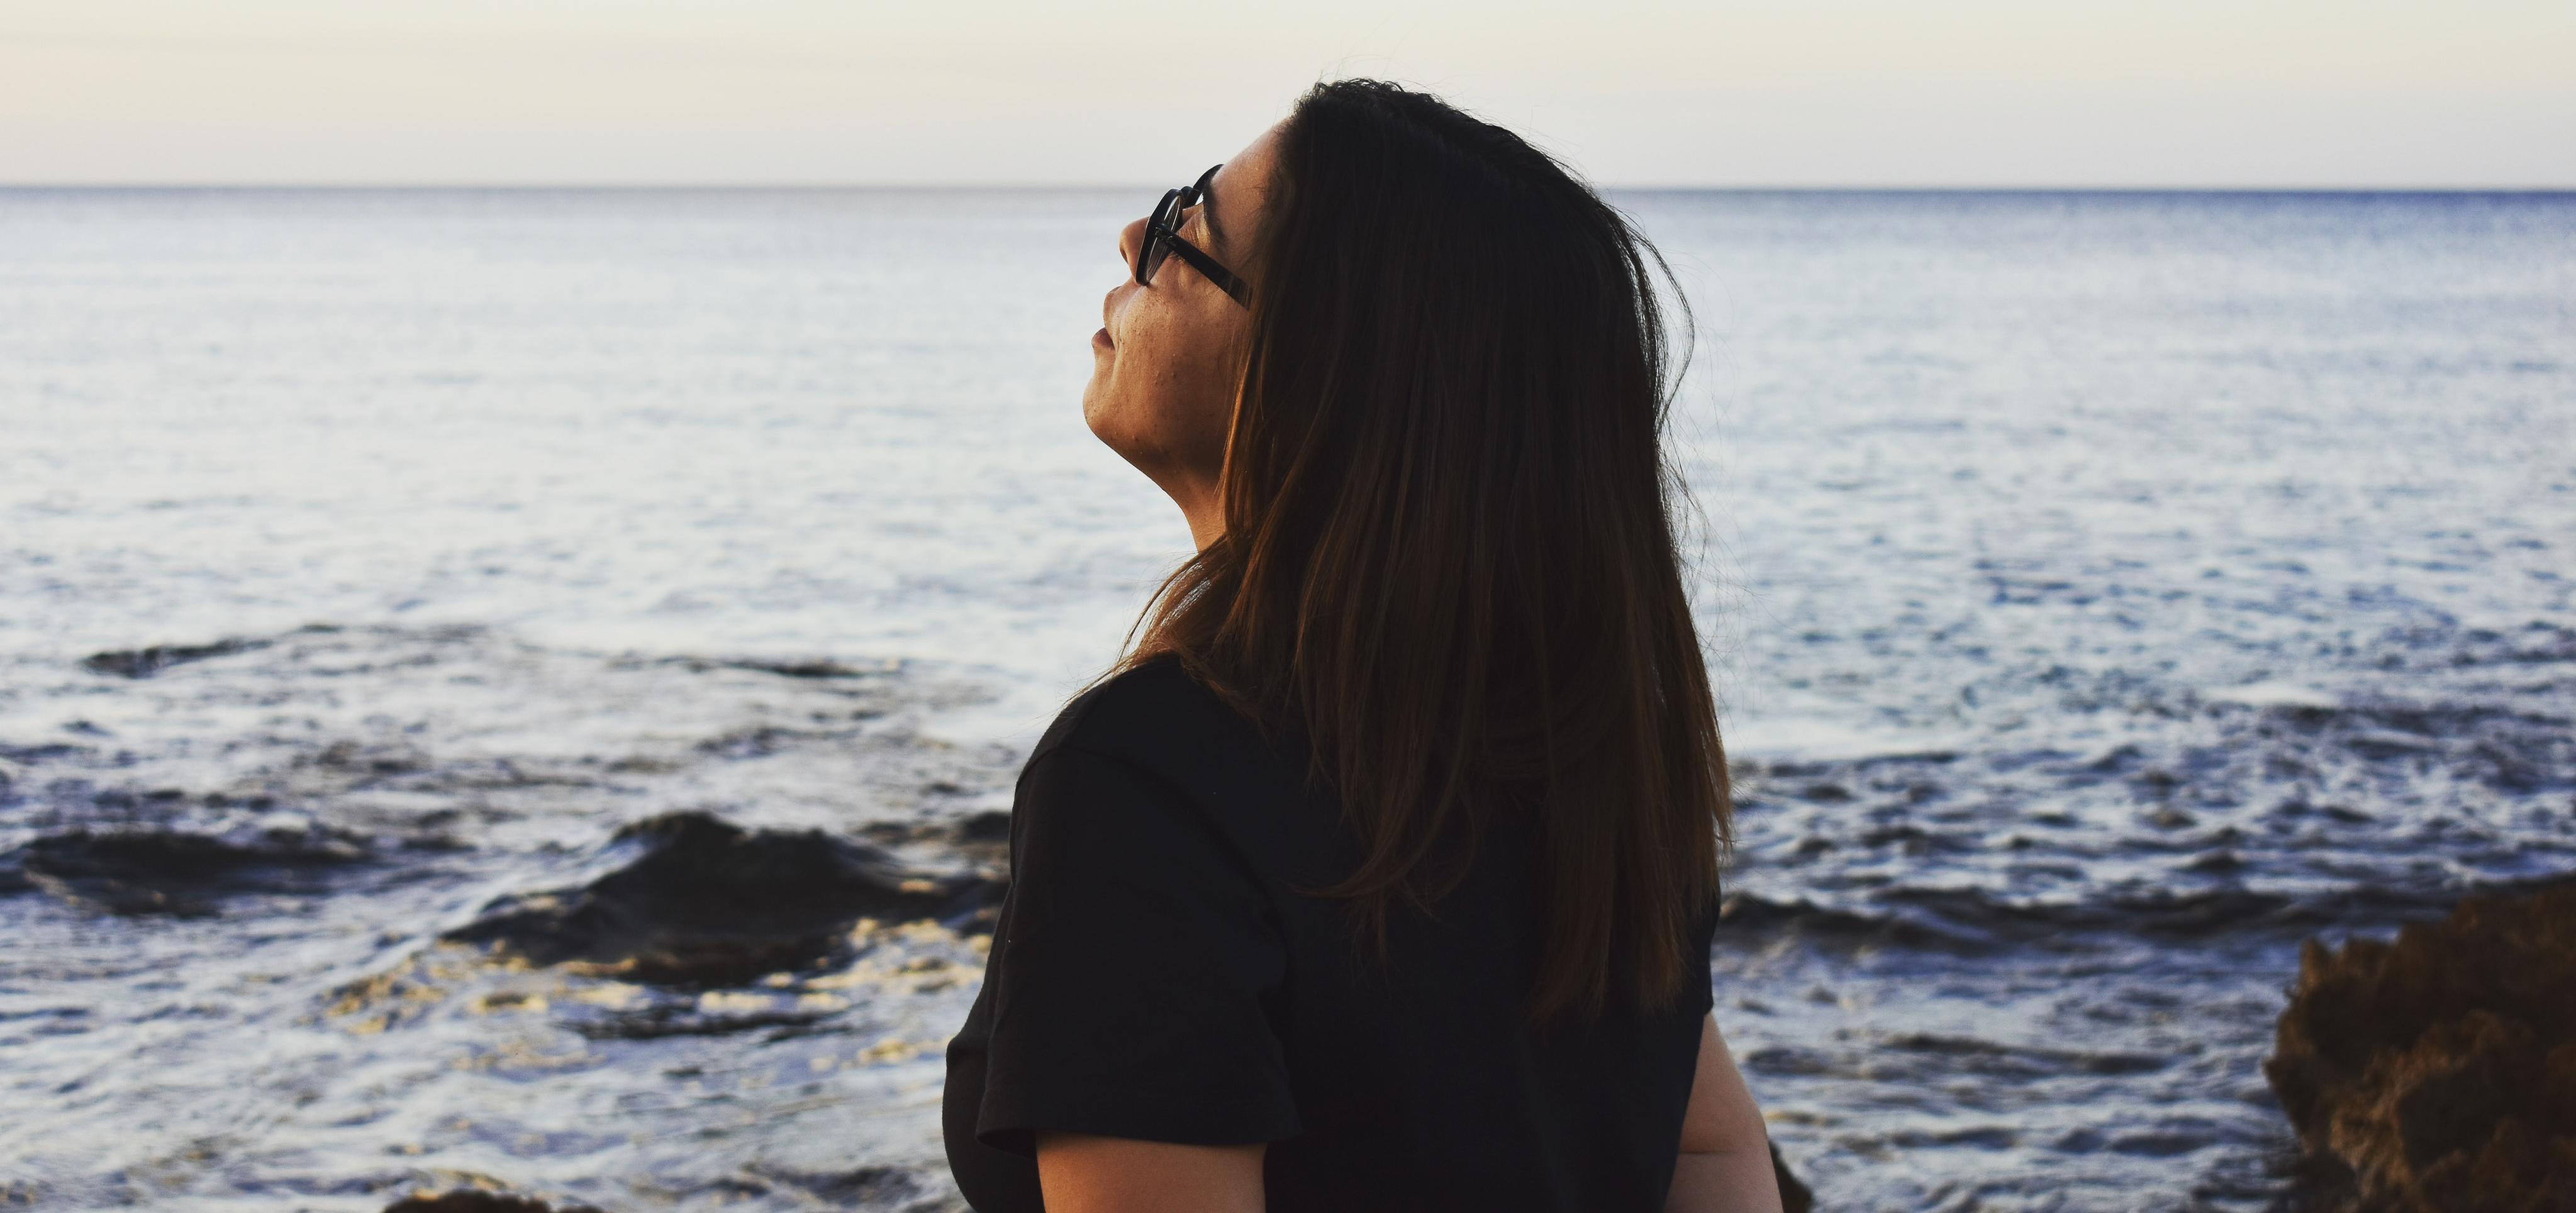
x=1102, y=340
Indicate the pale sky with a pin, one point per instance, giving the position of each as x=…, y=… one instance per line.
x=2081, y=93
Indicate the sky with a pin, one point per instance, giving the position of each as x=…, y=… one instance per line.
x=1826, y=93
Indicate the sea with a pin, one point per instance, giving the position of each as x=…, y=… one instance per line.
x=2107, y=593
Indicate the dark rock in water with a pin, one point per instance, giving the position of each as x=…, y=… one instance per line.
x=144, y=663
x=172, y=872
x=469, y=1200
x=662, y=1023
x=818, y=668
x=1795, y=1197
x=866, y=1187
x=705, y=902
x=2439, y=1072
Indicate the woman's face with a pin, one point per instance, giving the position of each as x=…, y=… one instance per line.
x=1167, y=358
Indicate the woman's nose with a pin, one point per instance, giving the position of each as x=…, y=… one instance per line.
x=1128, y=238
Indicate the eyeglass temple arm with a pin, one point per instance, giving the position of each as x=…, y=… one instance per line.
x=1208, y=266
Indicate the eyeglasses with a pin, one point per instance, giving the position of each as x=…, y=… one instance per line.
x=1162, y=237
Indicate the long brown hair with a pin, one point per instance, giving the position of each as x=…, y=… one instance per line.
x=1449, y=558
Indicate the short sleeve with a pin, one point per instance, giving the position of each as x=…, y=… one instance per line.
x=1134, y=967
x=1703, y=968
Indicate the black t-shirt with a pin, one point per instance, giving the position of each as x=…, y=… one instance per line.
x=1152, y=977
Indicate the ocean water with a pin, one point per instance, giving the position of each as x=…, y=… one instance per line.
x=2107, y=593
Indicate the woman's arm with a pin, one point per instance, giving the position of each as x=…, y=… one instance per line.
x=1086, y=1173
x=1725, y=1160
x=1724, y=1165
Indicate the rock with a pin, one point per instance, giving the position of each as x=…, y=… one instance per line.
x=145, y=662
x=1794, y=1196
x=470, y=1200
x=706, y=902
x=2438, y=1072
x=868, y=1187
x=817, y=668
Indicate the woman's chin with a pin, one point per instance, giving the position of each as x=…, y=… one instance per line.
x=1091, y=408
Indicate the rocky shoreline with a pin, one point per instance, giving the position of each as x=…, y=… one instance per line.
x=2438, y=1071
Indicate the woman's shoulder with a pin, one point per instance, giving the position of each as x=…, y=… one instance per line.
x=1155, y=715
x=1150, y=705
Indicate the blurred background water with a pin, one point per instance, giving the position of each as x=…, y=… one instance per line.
x=2107, y=592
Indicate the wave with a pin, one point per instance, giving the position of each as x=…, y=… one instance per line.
x=1975, y=920
x=176, y=872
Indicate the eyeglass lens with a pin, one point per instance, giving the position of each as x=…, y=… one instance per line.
x=1151, y=257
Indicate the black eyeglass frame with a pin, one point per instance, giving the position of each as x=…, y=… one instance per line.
x=1162, y=238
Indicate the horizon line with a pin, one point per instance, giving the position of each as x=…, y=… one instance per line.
x=1041, y=187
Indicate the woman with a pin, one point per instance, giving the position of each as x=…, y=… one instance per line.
x=1382, y=874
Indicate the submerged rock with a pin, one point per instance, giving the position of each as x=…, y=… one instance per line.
x=145, y=662
x=170, y=871
x=706, y=902
x=2438, y=1072
x=816, y=668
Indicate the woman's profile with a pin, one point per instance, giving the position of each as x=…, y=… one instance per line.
x=1381, y=873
